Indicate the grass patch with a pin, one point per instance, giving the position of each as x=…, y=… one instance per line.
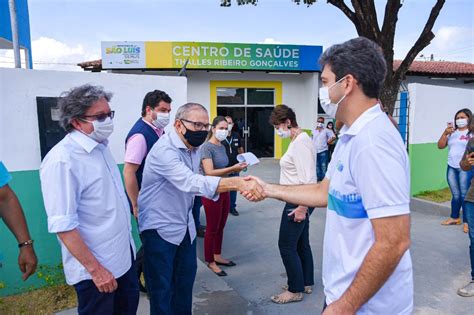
x=44, y=301
x=440, y=196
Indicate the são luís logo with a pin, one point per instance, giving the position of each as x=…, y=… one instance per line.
x=123, y=49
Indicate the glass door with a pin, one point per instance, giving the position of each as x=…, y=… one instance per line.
x=250, y=109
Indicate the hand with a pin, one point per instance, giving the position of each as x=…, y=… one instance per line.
x=135, y=211
x=104, y=280
x=299, y=213
x=253, y=188
x=339, y=308
x=449, y=130
x=237, y=168
x=27, y=261
x=470, y=158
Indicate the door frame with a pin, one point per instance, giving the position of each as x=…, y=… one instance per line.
x=276, y=85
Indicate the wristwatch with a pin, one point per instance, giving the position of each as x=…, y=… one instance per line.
x=26, y=243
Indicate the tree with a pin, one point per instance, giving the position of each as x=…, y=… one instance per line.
x=364, y=17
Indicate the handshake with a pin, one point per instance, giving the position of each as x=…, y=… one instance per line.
x=253, y=188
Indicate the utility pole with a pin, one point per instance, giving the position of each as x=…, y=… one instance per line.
x=14, y=25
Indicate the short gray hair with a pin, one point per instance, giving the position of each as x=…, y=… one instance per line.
x=75, y=103
x=360, y=57
x=183, y=110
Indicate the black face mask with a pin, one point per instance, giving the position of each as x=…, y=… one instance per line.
x=195, y=138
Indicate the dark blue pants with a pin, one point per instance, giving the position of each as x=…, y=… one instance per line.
x=170, y=271
x=322, y=164
x=295, y=250
x=233, y=194
x=197, y=211
x=123, y=301
x=469, y=209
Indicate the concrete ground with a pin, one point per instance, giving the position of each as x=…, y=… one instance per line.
x=440, y=258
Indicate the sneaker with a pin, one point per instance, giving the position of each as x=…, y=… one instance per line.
x=468, y=290
x=234, y=212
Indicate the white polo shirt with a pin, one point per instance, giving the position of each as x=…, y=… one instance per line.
x=321, y=138
x=369, y=178
x=82, y=189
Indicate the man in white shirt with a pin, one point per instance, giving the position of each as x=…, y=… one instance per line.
x=87, y=207
x=367, y=267
x=321, y=138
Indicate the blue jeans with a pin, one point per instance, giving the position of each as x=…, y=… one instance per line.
x=469, y=208
x=295, y=250
x=170, y=271
x=197, y=211
x=124, y=300
x=233, y=194
x=322, y=164
x=458, y=181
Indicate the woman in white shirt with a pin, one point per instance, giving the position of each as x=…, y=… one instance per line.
x=296, y=168
x=456, y=138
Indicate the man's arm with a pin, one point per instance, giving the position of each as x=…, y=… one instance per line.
x=102, y=278
x=131, y=184
x=247, y=185
x=392, y=240
x=467, y=161
x=12, y=215
x=310, y=195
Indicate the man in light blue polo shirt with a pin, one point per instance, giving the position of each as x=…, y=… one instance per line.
x=171, y=180
x=367, y=267
x=12, y=215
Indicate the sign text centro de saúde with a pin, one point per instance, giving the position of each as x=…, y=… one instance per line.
x=207, y=56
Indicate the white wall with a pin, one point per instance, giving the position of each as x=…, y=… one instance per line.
x=19, y=134
x=300, y=91
x=432, y=106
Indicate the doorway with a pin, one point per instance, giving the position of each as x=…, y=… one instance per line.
x=250, y=109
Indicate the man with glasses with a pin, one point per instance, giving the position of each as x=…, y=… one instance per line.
x=87, y=207
x=171, y=180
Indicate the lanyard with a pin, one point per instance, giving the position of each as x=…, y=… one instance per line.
x=230, y=143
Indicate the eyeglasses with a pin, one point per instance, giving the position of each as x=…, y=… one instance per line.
x=198, y=125
x=101, y=117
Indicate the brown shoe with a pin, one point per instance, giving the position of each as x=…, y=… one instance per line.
x=465, y=228
x=451, y=221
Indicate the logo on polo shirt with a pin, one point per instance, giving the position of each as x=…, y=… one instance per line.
x=339, y=166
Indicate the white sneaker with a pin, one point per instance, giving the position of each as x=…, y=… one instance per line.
x=468, y=290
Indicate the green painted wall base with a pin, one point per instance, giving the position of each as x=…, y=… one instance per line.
x=428, y=167
x=26, y=185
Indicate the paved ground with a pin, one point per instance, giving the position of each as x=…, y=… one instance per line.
x=440, y=255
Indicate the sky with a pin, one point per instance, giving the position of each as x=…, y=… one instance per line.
x=65, y=32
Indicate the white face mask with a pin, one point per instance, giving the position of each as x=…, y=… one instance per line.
x=102, y=130
x=461, y=123
x=325, y=101
x=229, y=127
x=162, y=120
x=221, y=134
x=320, y=125
x=283, y=133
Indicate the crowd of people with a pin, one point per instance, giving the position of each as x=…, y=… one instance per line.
x=367, y=266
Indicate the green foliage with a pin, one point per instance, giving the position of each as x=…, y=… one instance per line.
x=440, y=196
x=52, y=275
